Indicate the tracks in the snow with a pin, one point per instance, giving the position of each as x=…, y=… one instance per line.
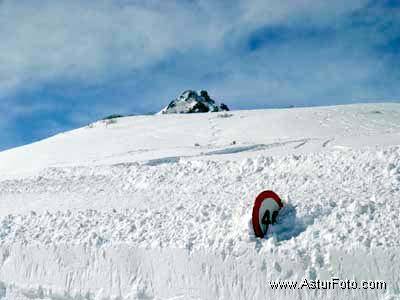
x=228, y=150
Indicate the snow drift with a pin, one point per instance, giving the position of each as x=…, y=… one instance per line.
x=158, y=207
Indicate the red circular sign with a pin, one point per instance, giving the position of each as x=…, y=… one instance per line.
x=265, y=210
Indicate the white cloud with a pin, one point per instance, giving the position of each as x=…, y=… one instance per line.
x=83, y=40
x=91, y=41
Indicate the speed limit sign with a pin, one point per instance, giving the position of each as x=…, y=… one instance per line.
x=265, y=211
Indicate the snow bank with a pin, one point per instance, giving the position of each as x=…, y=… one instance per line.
x=335, y=208
x=120, y=271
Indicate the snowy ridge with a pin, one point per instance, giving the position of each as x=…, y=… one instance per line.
x=176, y=136
x=172, y=222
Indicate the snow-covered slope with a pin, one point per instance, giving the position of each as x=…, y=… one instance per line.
x=157, y=207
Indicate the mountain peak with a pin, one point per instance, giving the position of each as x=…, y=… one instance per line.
x=192, y=102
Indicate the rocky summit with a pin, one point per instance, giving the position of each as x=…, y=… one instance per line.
x=192, y=102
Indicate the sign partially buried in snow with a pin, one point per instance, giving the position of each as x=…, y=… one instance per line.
x=265, y=211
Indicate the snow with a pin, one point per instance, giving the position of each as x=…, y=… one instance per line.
x=158, y=207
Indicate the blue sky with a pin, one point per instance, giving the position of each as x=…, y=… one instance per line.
x=66, y=63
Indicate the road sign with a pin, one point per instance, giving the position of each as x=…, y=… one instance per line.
x=265, y=211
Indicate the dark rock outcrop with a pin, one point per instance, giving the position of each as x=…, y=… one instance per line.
x=191, y=102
